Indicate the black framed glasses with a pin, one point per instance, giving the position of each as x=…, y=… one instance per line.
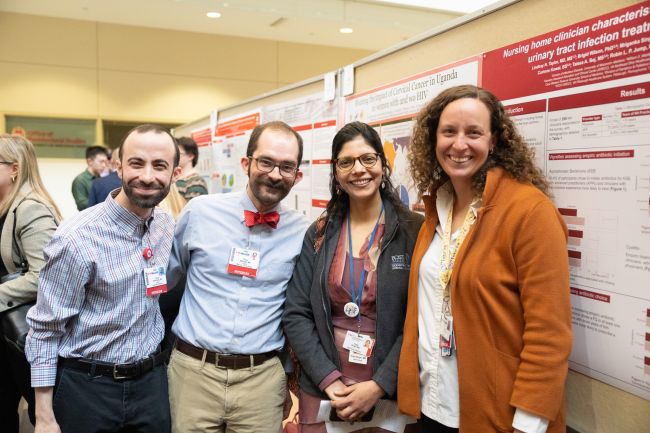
x=368, y=160
x=266, y=165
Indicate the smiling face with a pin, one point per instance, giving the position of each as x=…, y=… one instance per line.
x=463, y=140
x=147, y=171
x=361, y=183
x=267, y=189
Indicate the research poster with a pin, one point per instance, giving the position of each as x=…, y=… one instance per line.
x=392, y=108
x=315, y=120
x=581, y=98
x=228, y=147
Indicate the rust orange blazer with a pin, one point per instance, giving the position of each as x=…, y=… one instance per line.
x=511, y=309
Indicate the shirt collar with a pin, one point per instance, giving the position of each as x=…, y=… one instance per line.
x=131, y=222
x=444, y=198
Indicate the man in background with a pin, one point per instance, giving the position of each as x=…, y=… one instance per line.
x=102, y=186
x=97, y=162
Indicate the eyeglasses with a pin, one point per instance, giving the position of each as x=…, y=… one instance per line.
x=6, y=162
x=368, y=160
x=265, y=165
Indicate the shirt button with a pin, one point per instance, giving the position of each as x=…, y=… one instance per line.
x=10, y=304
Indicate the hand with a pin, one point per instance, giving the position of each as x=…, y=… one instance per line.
x=45, y=420
x=334, y=389
x=356, y=400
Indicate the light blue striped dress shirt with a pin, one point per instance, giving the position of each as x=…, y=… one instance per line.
x=92, y=299
x=229, y=313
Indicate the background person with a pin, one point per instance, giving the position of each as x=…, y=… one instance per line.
x=97, y=162
x=102, y=186
x=352, y=277
x=488, y=324
x=190, y=183
x=28, y=217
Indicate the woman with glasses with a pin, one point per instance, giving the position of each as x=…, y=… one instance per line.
x=28, y=217
x=346, y=301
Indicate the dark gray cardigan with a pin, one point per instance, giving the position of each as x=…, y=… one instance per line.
x=307, y=315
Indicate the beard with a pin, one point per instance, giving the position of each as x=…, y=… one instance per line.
x=146, y=201
x=268, y=192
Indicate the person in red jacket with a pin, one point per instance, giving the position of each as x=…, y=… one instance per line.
x=487, y=333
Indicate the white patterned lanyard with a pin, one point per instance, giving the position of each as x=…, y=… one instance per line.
x=448, y=258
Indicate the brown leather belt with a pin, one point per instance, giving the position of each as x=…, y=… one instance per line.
x=234, y=362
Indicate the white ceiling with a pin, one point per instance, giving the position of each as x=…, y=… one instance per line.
x=376, y=24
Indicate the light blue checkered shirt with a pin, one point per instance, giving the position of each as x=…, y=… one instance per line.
x=223, y=312
x=92, y=299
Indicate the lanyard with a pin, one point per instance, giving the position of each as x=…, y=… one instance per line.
x=449, y=251
x=356, y=298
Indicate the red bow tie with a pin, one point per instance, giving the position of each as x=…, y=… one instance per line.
x=253, y=218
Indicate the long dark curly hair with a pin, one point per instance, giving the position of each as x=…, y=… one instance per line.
x=339, y=204
x=510, y=151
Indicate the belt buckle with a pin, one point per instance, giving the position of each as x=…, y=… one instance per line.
x=116, y=375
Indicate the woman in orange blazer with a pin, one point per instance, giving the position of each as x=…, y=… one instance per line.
x=487, y=334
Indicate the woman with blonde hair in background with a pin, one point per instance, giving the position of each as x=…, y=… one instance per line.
x=28, y=217
x=487, y=333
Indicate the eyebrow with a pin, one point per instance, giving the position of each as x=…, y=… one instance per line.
x=286, y=161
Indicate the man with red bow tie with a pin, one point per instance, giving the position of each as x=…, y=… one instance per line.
x=236, y=252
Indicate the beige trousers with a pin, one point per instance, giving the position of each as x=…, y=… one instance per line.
x=206, y=398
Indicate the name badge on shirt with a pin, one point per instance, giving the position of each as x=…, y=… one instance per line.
x=359, y=344
x=155, y=279
x=243, y=262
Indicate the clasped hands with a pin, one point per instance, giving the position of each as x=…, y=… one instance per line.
x=354, y=401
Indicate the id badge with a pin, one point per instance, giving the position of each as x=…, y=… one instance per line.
x=243, y=262
x=358, y=343
x=155, y=278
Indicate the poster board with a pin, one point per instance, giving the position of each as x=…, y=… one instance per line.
x=592, y=405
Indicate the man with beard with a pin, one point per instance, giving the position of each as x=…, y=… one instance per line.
x=237, y=252
x=96, y=328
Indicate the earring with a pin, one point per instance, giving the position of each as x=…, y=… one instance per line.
x=491, y=151
x=383, y=184
x=13, y=179
x=338, y=190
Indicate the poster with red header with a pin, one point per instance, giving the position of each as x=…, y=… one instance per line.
x=228, y=147
x=580, y=96
x=315, y=120
x=203, y=139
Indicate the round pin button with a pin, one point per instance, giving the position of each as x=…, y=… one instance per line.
x=147, y=253
x=351, y=309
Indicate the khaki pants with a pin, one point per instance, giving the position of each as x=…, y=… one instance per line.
x=206, y=398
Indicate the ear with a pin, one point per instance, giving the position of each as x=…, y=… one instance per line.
x=176, y=173
x=298, y=177
x=245, y=163
x=118, y=168
x=14, y=170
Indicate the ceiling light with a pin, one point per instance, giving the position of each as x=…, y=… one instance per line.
x=213, y=15
x=346, y=30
